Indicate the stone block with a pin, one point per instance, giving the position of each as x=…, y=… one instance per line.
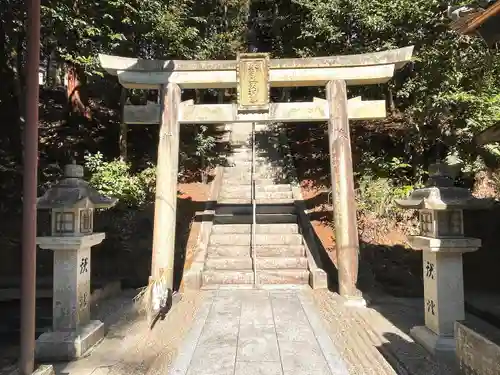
x=355, y=301
x=258, y=368
x=258, y=343
x=192, y=279
x=303, y=357
x=437, y=345
x=256, y=312
x=318, y=279
x=443, y=287
x=477, y=348
x=68, y=345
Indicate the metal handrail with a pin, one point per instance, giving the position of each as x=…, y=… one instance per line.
x=254, y=219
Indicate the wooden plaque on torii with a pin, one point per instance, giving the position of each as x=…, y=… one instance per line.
x=252, y=82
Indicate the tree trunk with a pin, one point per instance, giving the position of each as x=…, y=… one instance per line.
x=73, y=92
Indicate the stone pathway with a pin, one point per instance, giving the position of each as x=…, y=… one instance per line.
x=258, y=332
x=276, y=332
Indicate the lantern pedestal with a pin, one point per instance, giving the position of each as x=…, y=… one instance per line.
x=73, y=333
x=443, y=290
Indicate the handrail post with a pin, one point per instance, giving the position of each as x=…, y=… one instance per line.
x=254, y=219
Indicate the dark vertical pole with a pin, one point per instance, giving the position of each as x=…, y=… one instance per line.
x=123, y=139
x=28, y=285
x=344, y=209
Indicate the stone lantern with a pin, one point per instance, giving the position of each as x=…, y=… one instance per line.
x=72, y=203
x=441, y=238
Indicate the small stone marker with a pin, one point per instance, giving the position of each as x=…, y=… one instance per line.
x=72, y=203
x=442, y=241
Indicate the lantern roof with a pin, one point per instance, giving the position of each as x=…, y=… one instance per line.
x=440, y=194
x=71, y=190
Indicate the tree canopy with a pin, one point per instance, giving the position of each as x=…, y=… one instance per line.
x=448, y=94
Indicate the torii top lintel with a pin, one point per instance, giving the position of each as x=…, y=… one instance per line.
x=361, y=69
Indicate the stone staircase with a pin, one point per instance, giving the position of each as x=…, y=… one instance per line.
x=279, y=245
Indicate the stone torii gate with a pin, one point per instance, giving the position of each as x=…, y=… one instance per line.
x=253, y=74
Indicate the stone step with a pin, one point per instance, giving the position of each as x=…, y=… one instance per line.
x=246, y=176
x=242, y=176
x=224, y=195
x=247, y=180
x=243, y=206
x=259, y=188
x=235, y=277
x=262, y=202
x=260, y=218
x=232, y=251
x=236, y=263
x=283, y=276
x=260, y=239
x=245, y=263
x=280, y=263
x=259, y=228
x=211, y=277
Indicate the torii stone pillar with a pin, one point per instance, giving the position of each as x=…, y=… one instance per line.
x=344, y=209
x=162, y=263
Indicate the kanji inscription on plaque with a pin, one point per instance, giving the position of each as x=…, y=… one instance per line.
x=252, y=75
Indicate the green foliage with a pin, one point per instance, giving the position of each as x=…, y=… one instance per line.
x=147, y=179
x=444, y=98
x=114, y=178
x=385, y=166
x=378, y=195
